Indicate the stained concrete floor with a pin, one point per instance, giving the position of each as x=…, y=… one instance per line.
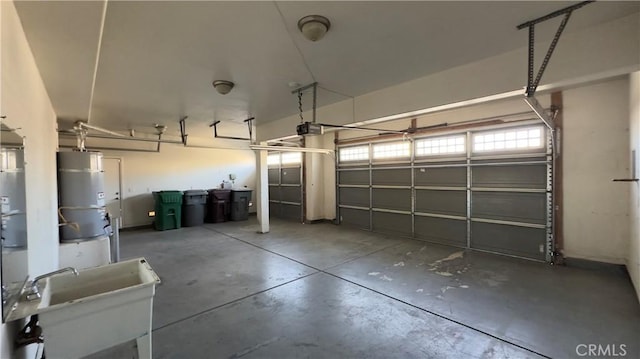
x=326, y=291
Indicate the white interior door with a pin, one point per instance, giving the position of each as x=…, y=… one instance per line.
x=113, y=186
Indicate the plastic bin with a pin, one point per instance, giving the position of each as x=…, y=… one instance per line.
x=240, y=204
x=218, y=205
x=193, y=207
x=168, y=207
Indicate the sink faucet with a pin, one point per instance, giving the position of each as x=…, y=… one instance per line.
x=34, y=291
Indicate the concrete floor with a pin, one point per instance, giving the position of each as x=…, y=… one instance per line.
x=326, y=291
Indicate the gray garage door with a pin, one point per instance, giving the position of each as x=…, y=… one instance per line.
x=487, y=189
x=285, y=185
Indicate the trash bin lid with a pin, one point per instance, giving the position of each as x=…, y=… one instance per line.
x=168, y=196
x=195, y=192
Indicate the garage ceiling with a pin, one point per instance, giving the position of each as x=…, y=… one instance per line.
x=157, y=58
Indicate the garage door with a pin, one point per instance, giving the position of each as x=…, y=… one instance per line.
x=285, y=185
x=487, y=189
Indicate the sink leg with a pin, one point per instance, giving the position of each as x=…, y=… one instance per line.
x=144, y=346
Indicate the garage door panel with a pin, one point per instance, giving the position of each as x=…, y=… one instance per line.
x=392, y=223
x=355, y=217
x=355, y=197
x=274, y=193
x=441, y=177
x=291, y=194
x=396, y=199
x=441, y=230
x=354, y=177
x=386, y=163
x=290, y=211
x=274, y=209
x=291, y=175
x=442, y=202
x=388, y=177
x=509, y=206
x=274, y=175
x=481, y=192
x=514, y=240
x=523, y=157
x=520, y=176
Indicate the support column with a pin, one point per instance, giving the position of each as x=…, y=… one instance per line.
x=262, y=190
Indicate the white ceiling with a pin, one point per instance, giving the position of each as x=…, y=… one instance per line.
x=158, y=58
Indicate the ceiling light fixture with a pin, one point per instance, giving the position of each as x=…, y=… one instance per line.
x=222, y=86
x=314, y=27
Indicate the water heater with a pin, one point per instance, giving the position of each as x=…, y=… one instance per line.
x=82, y=211
x=13, y=198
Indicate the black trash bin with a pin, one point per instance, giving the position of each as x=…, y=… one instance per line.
x=240, y=204
x=218, y=205
x=193, y=207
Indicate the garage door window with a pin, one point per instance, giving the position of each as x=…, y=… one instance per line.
x=273, y=159
x=359, y=153
x=440, y=145
x=289, y=158
x=514, y=139
x=391, y=150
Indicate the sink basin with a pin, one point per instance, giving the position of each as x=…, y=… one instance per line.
x=101, y=307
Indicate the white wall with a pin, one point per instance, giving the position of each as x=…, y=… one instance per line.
x=602, y=50
x=596, y=150
x=26, y=104
x=178, y=168
x=633, y=254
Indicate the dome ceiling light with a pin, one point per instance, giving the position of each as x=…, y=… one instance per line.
x=314, y=27
x=222, y=86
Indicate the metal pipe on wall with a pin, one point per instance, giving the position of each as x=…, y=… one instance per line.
x=115, y=249
x=110, y=149
x=151, y=140
x=123, y=138
x=100, y=129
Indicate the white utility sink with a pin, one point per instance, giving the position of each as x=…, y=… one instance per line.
x=101, y=307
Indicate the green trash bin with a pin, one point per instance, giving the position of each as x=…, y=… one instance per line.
x=168, y=207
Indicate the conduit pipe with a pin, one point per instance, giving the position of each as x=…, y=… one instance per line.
x=291, y=149
x=122, y=137
x=100, y=148
x=100, y=129
x=137, y=139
